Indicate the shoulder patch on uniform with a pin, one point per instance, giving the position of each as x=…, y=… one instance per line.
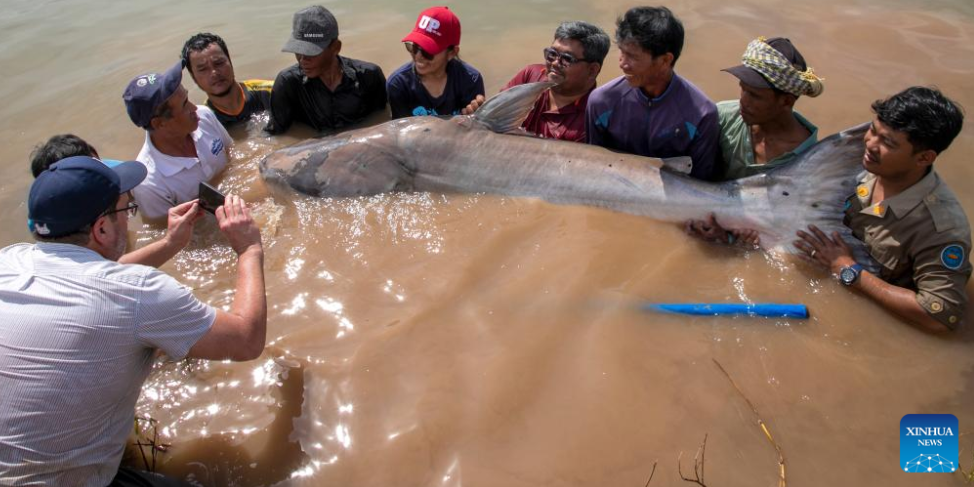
x=603, y=120
x=952, y=257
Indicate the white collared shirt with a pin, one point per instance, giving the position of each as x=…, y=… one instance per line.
x=77, y=341
x=174, y=180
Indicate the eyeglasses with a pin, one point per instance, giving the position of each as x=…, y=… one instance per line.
x=132, y=209
x=566, y=58
x=412, y=48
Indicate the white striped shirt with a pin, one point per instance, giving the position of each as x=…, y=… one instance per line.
x=77, y=338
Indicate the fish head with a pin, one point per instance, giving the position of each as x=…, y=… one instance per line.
x=356, y=163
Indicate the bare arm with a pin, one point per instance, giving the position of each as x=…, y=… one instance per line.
x=182, y=218
x=899, y=300
x=239, y=334
x=834, y=254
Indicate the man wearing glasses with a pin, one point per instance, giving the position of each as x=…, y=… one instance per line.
x=323, y=90
x=81, y=330
x=574, y=61
x=180, y=220
x=184, y=145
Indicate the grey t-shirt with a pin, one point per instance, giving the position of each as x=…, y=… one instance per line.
x=77, y=338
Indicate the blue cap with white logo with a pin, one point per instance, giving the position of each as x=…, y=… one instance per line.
x=75, y=191
x=147, y=92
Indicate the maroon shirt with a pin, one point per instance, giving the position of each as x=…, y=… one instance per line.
x=566, y=123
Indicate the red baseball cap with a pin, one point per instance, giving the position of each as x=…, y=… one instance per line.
x=436, y=29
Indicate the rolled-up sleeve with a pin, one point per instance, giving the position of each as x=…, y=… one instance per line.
x=940, y=273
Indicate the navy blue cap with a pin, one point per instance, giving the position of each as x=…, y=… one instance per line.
x=74, y=192
x=147, y=92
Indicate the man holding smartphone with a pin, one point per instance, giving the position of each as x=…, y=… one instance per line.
x=80, y=330
x=185, y=144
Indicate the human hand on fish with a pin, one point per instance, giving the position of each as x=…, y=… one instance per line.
x=830, y=252
x=473, y=105
x=712, y=231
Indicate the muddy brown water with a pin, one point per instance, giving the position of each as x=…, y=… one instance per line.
x=427, y=339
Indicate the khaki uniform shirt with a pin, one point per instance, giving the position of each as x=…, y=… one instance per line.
x=922, y=241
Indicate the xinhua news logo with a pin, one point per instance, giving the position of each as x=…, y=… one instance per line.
x=928, y=443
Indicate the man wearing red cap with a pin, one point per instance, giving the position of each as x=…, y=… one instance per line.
x=436, y=81
x=323, y=90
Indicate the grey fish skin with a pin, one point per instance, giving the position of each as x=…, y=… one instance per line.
x=460, y=155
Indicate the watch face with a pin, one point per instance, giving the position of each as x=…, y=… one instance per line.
x=847, y=275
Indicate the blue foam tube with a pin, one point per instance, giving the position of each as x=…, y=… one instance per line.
x=765, y=310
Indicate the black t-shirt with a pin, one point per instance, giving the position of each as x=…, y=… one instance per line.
x=297, y=98
x=257, y=98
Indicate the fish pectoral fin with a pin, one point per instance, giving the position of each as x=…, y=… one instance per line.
x=505, y=111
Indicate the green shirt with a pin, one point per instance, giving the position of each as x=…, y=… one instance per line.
x=736, y=148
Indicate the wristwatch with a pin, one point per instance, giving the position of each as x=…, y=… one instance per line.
x=850, y=274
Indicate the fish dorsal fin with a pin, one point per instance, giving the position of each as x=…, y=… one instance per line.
x=505, y=111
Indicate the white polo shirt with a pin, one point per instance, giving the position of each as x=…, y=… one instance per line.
x=174, y=180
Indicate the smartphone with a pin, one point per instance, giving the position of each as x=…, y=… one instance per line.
x=210, y=198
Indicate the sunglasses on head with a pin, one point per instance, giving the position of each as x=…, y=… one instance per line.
x=552, y=55
x=413, y=49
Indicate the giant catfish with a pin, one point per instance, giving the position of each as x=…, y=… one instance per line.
x=479, y=154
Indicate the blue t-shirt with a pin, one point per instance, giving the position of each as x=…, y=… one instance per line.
x=408, y=96
x=680, y=122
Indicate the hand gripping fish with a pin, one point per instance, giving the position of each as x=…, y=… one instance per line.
x=478, y=154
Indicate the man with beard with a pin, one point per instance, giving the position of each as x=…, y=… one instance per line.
x=81, y=330
x=323, y=90
x=208, y=61
x=574, y=61
x=180, y=219
x=762, y=131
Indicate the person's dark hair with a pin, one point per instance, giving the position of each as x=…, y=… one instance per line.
x=655, y=29
x=929, y=119
x=56, y=148
x=200, y=42
x=595, y=42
